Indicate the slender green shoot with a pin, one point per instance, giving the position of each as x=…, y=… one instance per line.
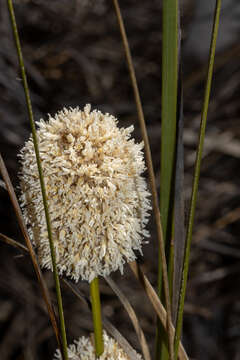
x=41, y=178
x=150, y=170
x=196, y=176
x=96, y=314
x=168, y=144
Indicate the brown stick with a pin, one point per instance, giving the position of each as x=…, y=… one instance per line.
x=32, y=254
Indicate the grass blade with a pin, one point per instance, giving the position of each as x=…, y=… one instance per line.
x=133, y=317
x=12, y=242
x=131, y=353
x=41, y=179
x=169, y=109
x=156, y=303
x=168, y=145
x=196, y=175
x=149, y=166
x=29, y=248
x=179, y=214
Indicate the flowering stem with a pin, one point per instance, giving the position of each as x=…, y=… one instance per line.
x=41, y=178
x=196, y=176
x=96, y=314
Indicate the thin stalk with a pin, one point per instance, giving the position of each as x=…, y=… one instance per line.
x=96, y=314
x=150, y=170
x=41, y=178
x=168, y=143
x=197, y=175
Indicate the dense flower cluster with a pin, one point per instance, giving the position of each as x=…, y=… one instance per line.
x=83, y=349
x=98, y=200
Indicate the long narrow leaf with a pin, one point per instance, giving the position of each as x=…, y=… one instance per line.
x=168, y=145
x=169, y=108
x=156, y=303
x=197, y=175
x=179, y=213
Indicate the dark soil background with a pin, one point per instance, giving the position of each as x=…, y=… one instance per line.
x=73, y=55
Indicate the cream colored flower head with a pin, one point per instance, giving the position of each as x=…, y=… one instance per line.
x=83, y=349
x=98, y=200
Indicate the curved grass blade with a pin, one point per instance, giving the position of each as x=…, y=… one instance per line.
x=150, y=169
x=156, y=303
x=196, y=176
x=44, y=289
x=41, y=179
x=131, y=313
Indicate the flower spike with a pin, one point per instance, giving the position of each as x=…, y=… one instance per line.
x=98, y=199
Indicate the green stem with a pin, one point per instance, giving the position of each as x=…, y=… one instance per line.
x=41, y=178
x=96, y=314
x=196, y=176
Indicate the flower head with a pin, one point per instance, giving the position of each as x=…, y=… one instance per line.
x=83, y=349
x=98, y=200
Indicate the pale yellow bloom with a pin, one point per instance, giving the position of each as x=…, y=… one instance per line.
x=98, y=199
x=83, y=349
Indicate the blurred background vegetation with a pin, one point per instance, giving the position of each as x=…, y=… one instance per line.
x=73, y=56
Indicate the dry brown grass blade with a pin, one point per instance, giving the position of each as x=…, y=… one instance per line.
x=32, y=254
x=156, y=303
x=133, y=317
x=107, y=324
x=120, y=339
x=12, y=242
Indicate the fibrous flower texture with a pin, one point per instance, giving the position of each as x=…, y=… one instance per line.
x=98, y=200
x=83, y=349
